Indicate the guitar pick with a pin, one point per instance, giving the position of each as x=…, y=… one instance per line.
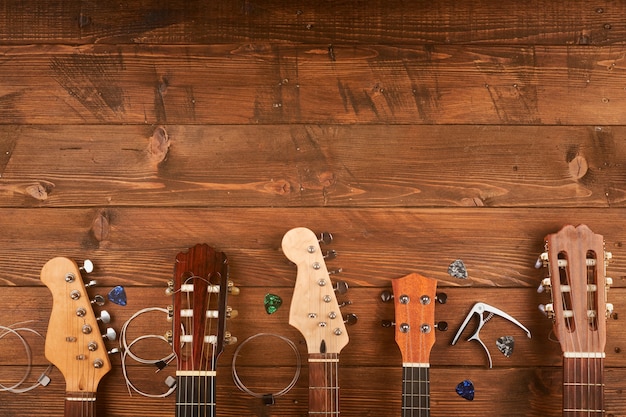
x=505, y=344
x=117, y=295
x=457, y=269
x=466, y=389
x=272, y=302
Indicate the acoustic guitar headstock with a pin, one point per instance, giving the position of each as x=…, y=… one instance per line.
x=200, y=289
x=576, y=262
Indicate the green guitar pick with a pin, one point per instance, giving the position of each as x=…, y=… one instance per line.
x=272, y=302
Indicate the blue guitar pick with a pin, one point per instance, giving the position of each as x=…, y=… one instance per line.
x=466, y=390
x=117, y=295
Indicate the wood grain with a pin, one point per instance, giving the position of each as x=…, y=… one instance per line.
x=307, y=165
x=395, y=22
x=292, y=83
x=418, y=133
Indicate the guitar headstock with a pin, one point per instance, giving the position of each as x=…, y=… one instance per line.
x=576, y=263
x=200, y=289
x=314, y=310
x=74, y=343
x=414, y=300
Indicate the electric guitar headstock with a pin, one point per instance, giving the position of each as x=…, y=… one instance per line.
x=74, y=343
x=576, y=262
x=314, y=310
x=414, y=299
x=200, y=289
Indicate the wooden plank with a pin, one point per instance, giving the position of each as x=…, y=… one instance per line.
x=288, y=83
x=390, y=22
x=305, y=165
x=137, y=245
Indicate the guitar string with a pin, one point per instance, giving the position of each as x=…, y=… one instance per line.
x=44, y=378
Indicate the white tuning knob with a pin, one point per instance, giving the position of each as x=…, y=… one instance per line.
x=110, y=334
x=105, y=317
x=87, y=267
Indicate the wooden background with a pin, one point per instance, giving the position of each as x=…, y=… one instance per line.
x=416, y=132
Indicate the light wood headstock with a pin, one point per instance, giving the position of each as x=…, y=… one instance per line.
x=73, y=342
x=576, y=261
x=314, y=310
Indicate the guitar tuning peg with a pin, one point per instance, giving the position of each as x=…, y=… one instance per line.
x=386, y=296
x=331, y=254
x=442, y=326
x=229, y=339
x=608, y=256
x=170, y=287
x=350, y=319
x=542, y=260
x=232, y=290
x=547, y=310
x=341, y=287
x=99, y=300
x=105, y=317
x=169, y=336
x=110, y=334
x=113, y=351
x=325, y=238
x=335, y=271
x=170, y=312
x=387, y=323
x=441, y=297
x=345, y=303
x=91, y=283
x=230, y=313
x=545, y=285
x=87, y=267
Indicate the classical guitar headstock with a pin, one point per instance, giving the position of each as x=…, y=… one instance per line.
x=200, y=289
x=414, y=298
x=74, y=343
x=576, y=262
x=314, y=310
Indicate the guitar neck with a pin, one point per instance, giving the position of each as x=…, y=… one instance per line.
x=415, y=391
x=583, y=387
x=195, y=395
x=323, y=384
x=80, y=404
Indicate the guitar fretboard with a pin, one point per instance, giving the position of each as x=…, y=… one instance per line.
x=583, y=387
x=415, y=391
x=80, y=404
x=323, y=384
x=195, y=396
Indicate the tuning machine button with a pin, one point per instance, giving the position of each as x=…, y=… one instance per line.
x=386, y=296
x=547, y=309
x=387, y=323
x=229, y=339
x=341, y=287
x=331, y=254
x=442, y=326
x=110, y=334
x=105, y=317
x=546, y=285
x=87, y=267
x=325, y=238
x=350, y=319
x=230, y=313
x=99, y=300
x=441, y=297
x=542, y=260
x=232, y=290
x=170, y=287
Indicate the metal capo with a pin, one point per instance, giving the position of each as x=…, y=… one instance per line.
x=480, y=309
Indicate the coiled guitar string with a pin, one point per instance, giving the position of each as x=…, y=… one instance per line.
x=285, y=390
x=44, y=378
x=159, y=363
